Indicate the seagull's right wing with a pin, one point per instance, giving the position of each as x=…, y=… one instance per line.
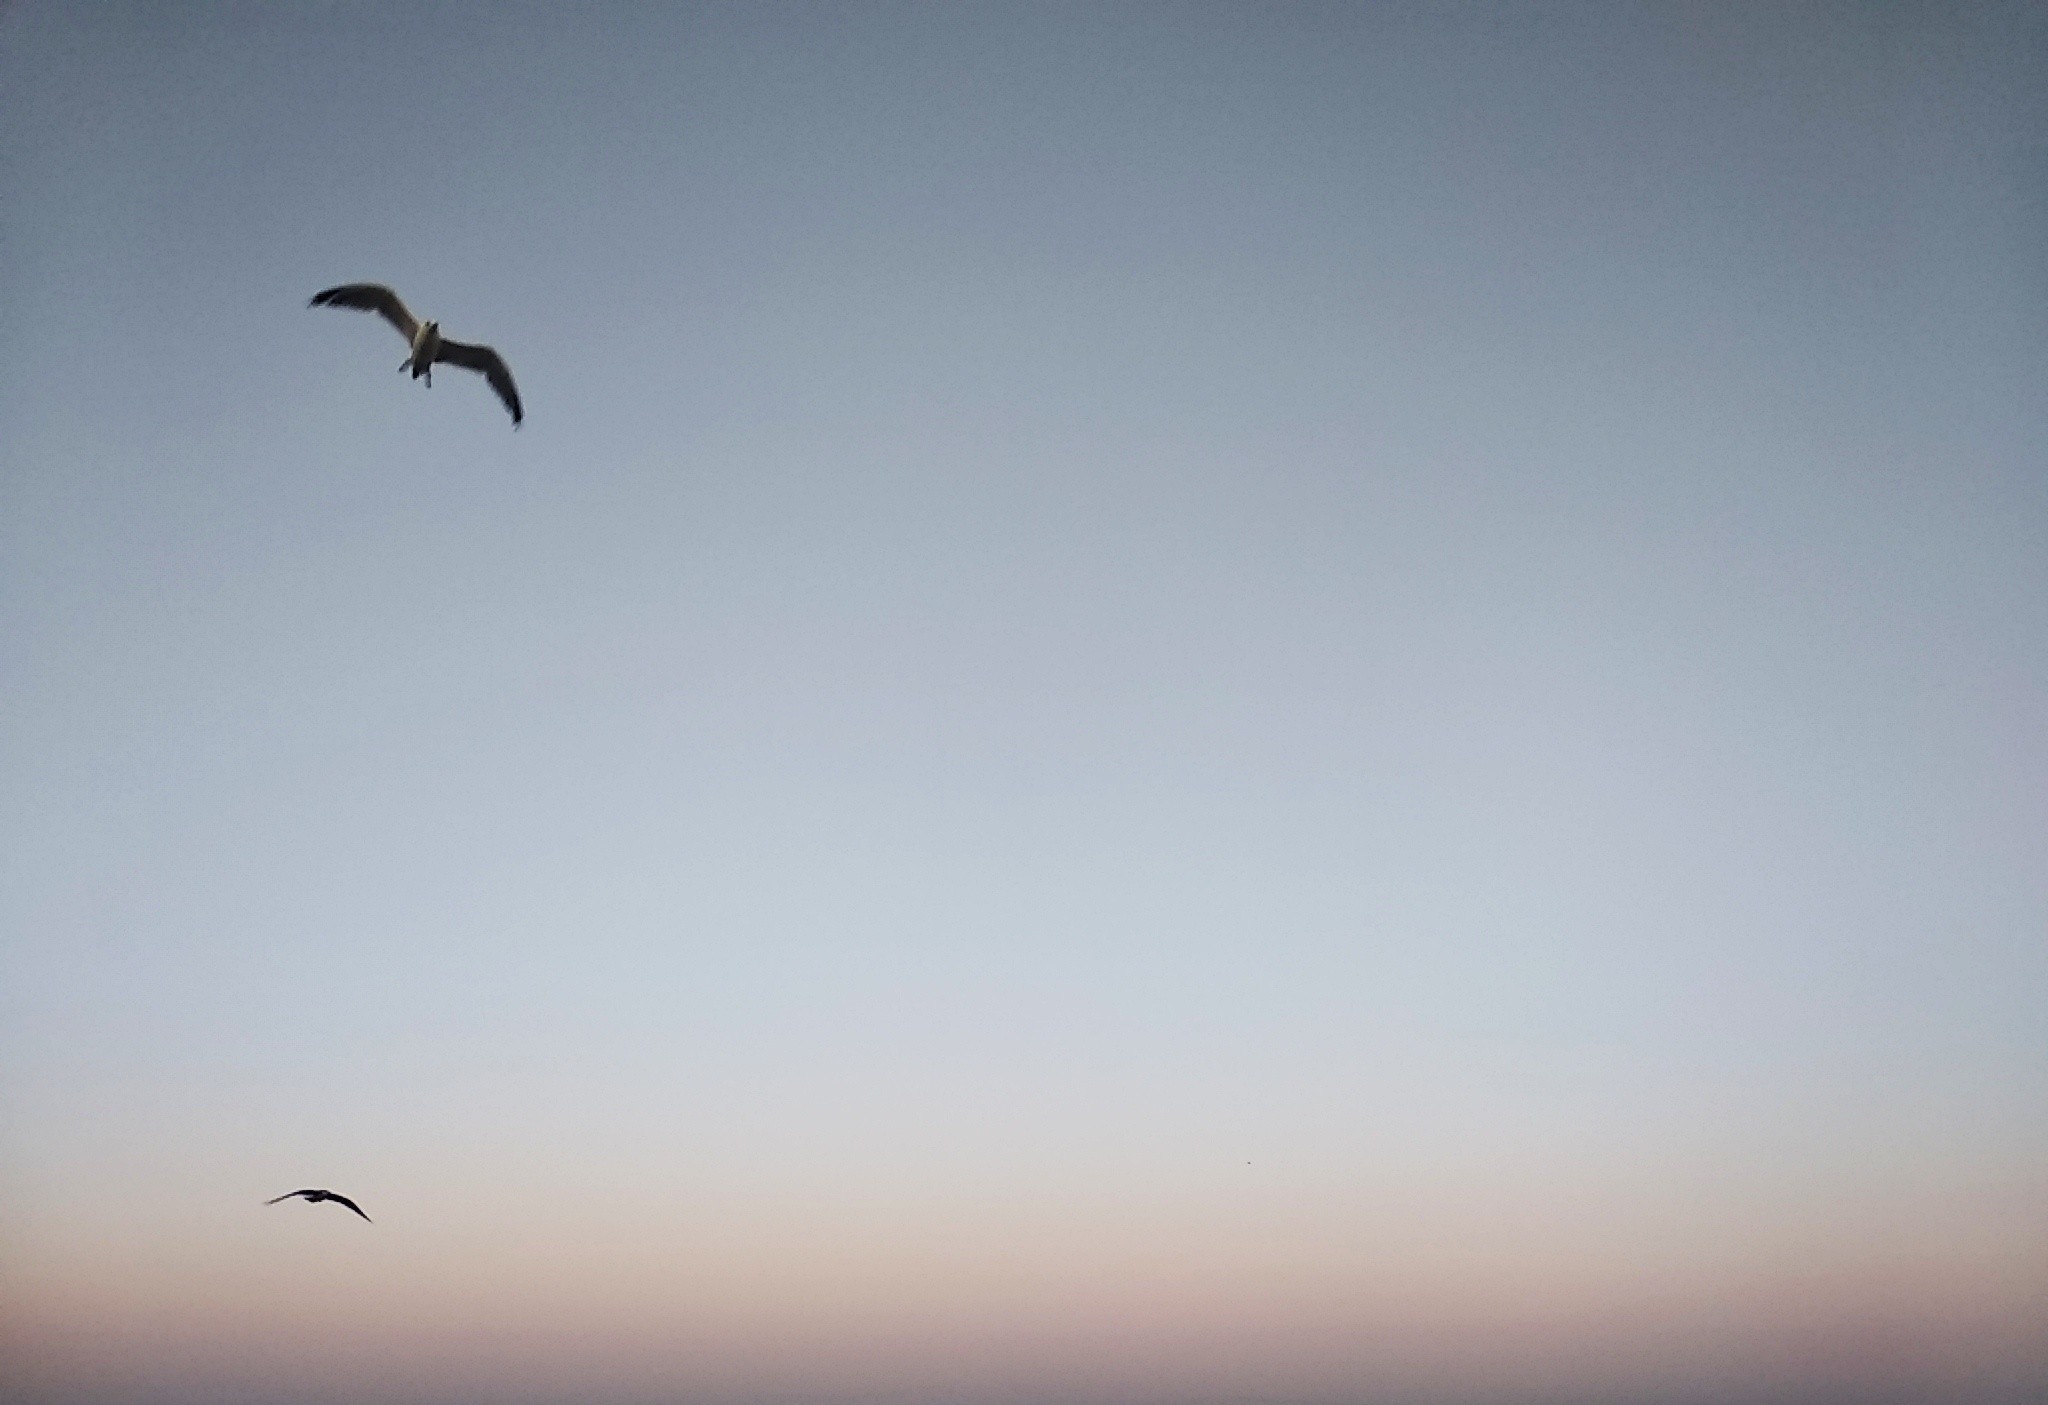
x=344, y=1200
x=288, y=1195
x=490, y=365
x=372, y=297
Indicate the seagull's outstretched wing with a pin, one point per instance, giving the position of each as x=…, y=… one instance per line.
x=372, y=297
x=289, y=1194
x=344, y=1200
x=492, y=366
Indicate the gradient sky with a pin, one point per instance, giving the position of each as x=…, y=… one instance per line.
x=1188, y=704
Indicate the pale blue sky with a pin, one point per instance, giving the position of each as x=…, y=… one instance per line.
x=1414, y=597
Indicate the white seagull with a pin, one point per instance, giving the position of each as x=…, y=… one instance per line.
x=425, y=340
x=314, y=1197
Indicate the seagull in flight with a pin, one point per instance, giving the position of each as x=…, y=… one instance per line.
x=425, y=340
x=314, y=1197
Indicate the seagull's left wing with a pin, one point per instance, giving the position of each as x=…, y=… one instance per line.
x=344, y=1200
x=371, y=297
x=289, y=1194
x=492, y=367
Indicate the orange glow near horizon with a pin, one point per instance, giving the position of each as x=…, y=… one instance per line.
x=1419, y=1295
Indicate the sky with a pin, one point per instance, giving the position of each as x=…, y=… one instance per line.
x=1202, y=703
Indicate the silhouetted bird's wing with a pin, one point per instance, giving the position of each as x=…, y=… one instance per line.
x=344, y=1200
x=491, y=365
x=372, y=297
x=290, y=1193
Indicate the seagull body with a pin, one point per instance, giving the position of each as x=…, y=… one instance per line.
x=424, y=342
x=314, y=1197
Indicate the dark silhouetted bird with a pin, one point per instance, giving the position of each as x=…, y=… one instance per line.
x=425, y=341
x=314, y=1197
